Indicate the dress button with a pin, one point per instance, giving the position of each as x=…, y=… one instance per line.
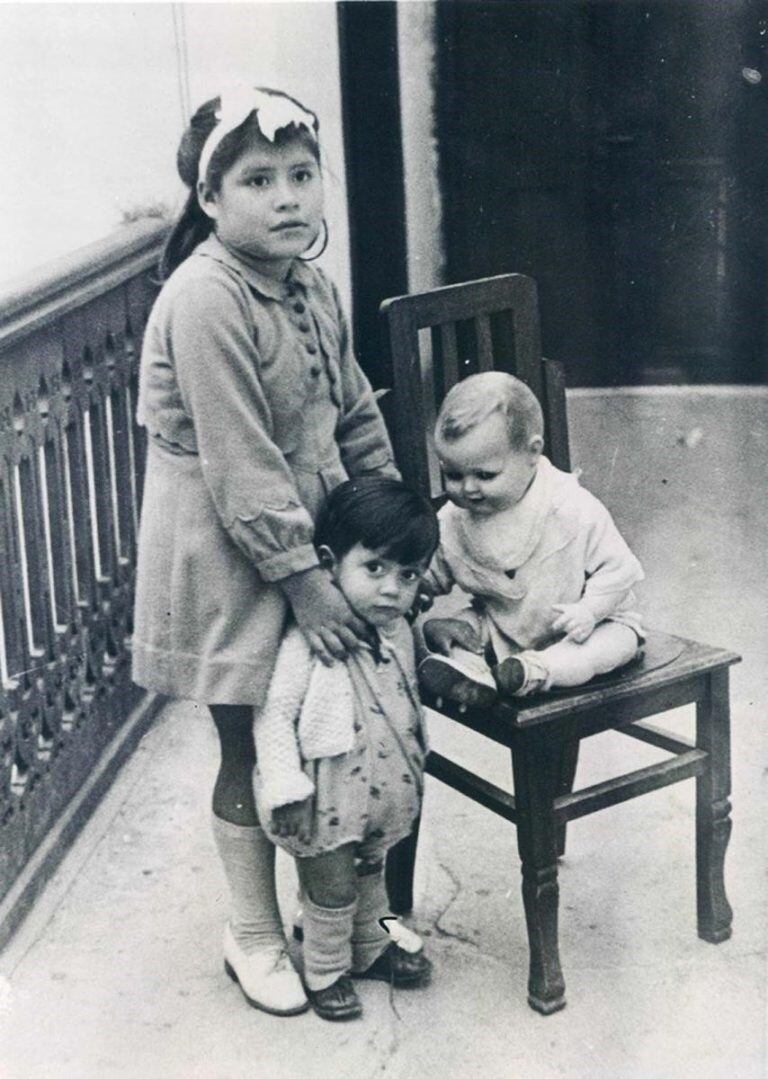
x=304, y=327
x=311, y=349
x=314, y=371
x=299, y=307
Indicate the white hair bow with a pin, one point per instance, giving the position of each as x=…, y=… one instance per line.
x=274, y=112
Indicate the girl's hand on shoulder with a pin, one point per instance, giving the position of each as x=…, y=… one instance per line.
x=293, y=820
x=330, y=626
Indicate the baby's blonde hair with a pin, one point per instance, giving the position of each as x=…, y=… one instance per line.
x=477, y=397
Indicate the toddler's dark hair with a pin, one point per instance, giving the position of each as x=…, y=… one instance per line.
x=382, y=514
x=193, y=226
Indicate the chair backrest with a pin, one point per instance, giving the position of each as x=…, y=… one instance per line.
x=438, y=337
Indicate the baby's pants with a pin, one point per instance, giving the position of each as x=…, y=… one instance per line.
x=610, y=645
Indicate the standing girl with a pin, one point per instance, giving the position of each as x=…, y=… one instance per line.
x=255, y=409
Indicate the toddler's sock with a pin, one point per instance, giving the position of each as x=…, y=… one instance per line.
x=369, y=939
x=327, y=943
x=248, y=858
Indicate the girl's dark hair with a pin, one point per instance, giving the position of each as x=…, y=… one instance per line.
x=382, y=514
x=193, y=225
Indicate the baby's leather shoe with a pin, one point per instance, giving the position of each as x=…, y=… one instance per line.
x=521, y=675
x=266, y=977
x=462, y=676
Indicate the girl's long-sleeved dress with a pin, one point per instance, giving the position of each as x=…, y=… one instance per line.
x=255, y=408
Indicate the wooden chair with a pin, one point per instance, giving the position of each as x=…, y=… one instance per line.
x=479, y=326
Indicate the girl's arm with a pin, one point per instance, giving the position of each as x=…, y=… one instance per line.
x=210, y=338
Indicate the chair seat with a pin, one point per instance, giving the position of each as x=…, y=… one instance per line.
x=665, y=661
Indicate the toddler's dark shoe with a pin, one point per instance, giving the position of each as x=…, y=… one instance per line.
x=404, y=970
x=338, y=1002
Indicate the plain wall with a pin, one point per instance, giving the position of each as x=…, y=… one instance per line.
x=94, y=98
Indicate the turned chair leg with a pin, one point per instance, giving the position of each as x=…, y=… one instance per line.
x=569, y=759
x=713, y=822
x=536, y=770
x=399, y=870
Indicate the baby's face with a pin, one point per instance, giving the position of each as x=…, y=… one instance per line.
x=482, y=473
x=377, y=588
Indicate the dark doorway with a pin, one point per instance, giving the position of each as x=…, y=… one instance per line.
x=618, y=153
x=374, y=172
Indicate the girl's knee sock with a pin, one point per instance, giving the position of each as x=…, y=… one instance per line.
x=369, y=939
x=248, y=858
x=327, y=943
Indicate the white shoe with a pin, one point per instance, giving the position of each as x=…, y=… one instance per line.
x=266, y=977
x=463, y=676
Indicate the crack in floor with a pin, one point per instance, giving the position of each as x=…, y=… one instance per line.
x=438, y=928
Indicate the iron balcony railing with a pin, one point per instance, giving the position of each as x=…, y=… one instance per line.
x=70, y=491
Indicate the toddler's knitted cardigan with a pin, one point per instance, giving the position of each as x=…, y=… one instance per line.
x=309, y=713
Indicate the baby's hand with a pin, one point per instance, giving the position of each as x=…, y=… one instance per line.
x=440, y=634
x=574, y=620
x=294, y=819
x=425, y=597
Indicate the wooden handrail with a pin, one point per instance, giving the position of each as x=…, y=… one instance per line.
x=41, y=296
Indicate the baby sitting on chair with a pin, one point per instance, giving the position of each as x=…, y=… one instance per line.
x=549, y=576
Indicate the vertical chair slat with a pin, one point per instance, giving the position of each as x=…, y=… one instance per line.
x=527, y=336
x=410, y=447
x=450, y=355
x=556, y=415
x=484, y=343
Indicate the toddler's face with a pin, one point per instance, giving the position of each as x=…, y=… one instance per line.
x=481, y=471
x=377, y=588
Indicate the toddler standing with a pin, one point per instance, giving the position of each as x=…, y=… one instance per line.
x=255, y=409
x=549, y=574
x=340, y=750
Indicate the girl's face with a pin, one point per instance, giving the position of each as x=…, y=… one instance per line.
x=269, y=205
x=377, y=588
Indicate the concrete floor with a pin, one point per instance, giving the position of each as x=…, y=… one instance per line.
x=117, y=971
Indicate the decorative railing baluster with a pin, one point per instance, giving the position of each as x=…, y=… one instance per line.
x=71, y=469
